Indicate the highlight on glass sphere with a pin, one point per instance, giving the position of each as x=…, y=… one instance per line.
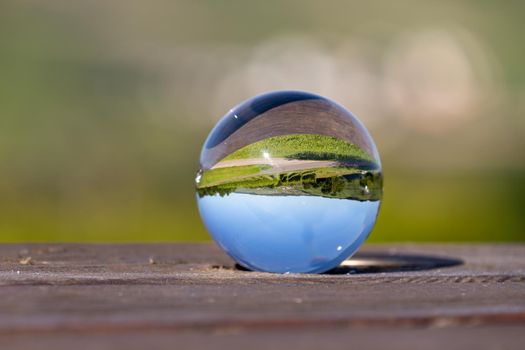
x=289, y=182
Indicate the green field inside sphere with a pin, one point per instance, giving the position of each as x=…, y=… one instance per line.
x=303, y=146
x=297, y=164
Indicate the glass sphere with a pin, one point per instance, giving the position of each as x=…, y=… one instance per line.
x=289, y=181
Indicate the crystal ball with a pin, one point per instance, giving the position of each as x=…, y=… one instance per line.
x=289, y=182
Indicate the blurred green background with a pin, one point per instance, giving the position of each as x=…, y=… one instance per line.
x=104, y=106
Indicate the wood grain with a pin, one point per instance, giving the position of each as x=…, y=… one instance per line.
x=129, y=296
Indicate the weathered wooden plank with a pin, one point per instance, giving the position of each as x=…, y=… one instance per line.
x=57, y=294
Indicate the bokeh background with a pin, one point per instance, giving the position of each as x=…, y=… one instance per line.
x=104, y=106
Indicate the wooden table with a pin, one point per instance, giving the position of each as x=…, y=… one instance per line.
x=175, y=296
